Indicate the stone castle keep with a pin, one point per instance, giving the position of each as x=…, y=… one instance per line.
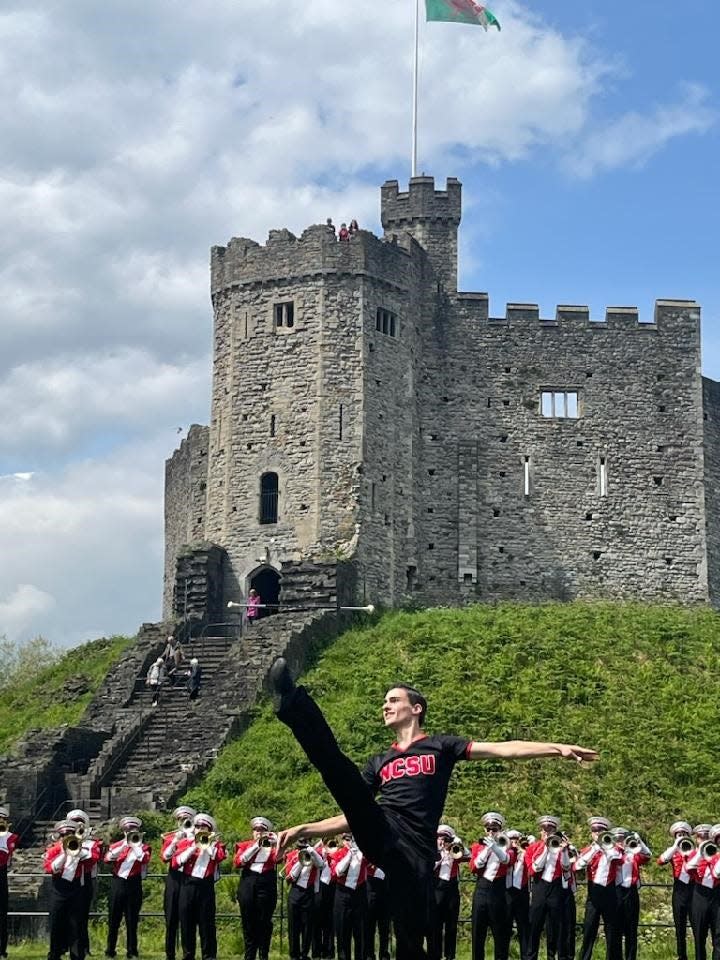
x=365, y=410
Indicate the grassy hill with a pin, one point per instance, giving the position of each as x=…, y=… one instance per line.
x=59, y=693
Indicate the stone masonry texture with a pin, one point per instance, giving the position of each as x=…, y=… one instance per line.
x=406, y=428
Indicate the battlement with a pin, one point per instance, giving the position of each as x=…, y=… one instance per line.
x=420, y=202
x=285, y=257
x=671, y=315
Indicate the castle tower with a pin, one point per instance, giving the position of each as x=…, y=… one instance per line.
x=431, y=216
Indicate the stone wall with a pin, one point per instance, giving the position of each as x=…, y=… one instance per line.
x=199, y=591
x=711, y=429
x=185, y=496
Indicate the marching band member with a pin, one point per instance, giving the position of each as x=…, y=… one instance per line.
x=63, y=861
x=677, y=855
x=452, y=852
x=601, y=860
x=705, y=865
x=129, y=858
x=349, y=868
x=323, y=935
x=490, y=860
x=378, y=914
x=548, y=861
x=302, y=872
x=90, y=872
x=257, y=890
x=199, y=857
x=183, y=816
x=635, y=854
x=517, y=893
x=8, y=842
x=566, y=945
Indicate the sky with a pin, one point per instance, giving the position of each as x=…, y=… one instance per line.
x=139, y=133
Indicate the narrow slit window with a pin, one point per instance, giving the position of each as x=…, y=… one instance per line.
x=526, y=476
x=272, y=424
x=340, y=422
x=603, y=476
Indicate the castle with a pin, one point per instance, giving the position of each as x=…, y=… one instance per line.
x=366, y=411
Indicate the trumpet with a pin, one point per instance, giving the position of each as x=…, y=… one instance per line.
x=332, y=844
x=523, y=842
x=203, y=838
x=268, y=840
x=186, y=824
x=606, y=840
x=134, y=837
x=457, y=849
x=305, y=856
x=708, y=849
x=555, y=841
x=685, y=845
x=632, y=841
x=501, y=839
x=71, y=843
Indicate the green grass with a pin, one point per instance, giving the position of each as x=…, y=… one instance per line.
x=50, y=698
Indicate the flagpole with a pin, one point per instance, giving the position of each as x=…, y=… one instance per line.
x=413, y=164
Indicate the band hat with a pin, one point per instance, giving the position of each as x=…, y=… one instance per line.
x=65, y=828
x=444, y=830
x=205, y=820
x=715, y=831
x=78, y=816
x=549, y=821
x=680, y=826
x=194, y=662
x=619, y=833
x=4, y=812
x=130, y=823
x=599, y=823
x=513, y=834
x=492, y=816
x=702, y=828
x=183, y=812
x=261, y=823
x=531, y=838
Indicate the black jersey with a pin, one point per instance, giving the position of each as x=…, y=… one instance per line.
x=413, y=783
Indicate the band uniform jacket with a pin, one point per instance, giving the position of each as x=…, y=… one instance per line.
x=199, y=864
x=128, y=860
x=546, y=863
x=249, y=855
x=601, y=865
x=349, y=868
x=679, y=863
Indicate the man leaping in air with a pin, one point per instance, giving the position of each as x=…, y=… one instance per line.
x=398, y=831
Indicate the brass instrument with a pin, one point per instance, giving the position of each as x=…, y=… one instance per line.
x=523, y=842
x=685, y=845
x=457, y=849
x=501, y=839
x=708, y=849
x=203, y=838
x=305, y=856
x=187, y=824
x=71, y=843
x=134, y=837
x=332, y=844
x=632, y=841
x=555, y=841
x=267, y=840
x=606, y=840
x=4, y=826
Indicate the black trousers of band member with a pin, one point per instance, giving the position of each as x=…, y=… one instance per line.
x=4, y=899
x=442, y=938
x=125, y=901
x=88, y=896
x=171, y=907
x=704, y=911
x=563, y=948
x=257, y=896
x=601, y=903
x=65, y=913
x=300, y=909
x=380, y=833
x=378, y=919
x=628, y=920
x=681, y=900
x=350, y=916
x=323, y=947
x=518, y=908
x=197, y=916
x=489, y=912
x=547, y=907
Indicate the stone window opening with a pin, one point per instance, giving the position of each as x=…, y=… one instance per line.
x=559, y=404
x=340, y=422
x=272, y=424
x=386, y=322
x=658, y=481
x=602, y=477
x=285, y=315
x=597, y=554
x=527, y=477
x=269, y=494
x=372, y=496
x=411, y=575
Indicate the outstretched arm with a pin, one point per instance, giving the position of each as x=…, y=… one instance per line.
x=321, y=828
x=528, y=750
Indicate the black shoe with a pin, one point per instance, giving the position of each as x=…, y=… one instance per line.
x=281, y=683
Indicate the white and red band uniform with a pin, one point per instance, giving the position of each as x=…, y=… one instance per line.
x=491, y=861
x=547, y=863
x=61, y=863
x=375, y=873
x=250, y=855
x=8, y=842
x=679, y=863
x=349, y=867
x=517, y=877
x=201, y=863
x=128, y=859
x=705, y=872
x=326, y=872
x=170, y=843
x=447, y=867
x=94, y=856
x=601, y=865
x=304, y=875
x=628, y=874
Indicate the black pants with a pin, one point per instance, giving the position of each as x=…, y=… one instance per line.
x=561, y=940
x=442, y=939
x=88, y=895
x=547, y=906
x=703, y=920
x=257, y=896
x=378, y=919
x=3, y=910
x=125, y=902
x=171, y=908
x=323, y=947
x=601, y=903
x=380, y=833
x=681, y=900
x=301, y=907
x=197, y=915
x=518, y=908
x=66, y=905
x=628, y=920
x=350, y=915
x=489, y=912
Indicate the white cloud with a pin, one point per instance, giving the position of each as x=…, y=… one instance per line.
x=24, y=605
x=630, y=140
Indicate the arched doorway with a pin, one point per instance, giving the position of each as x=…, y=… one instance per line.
x=266, y=580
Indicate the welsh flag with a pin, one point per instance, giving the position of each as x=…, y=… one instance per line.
x=460, y=11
